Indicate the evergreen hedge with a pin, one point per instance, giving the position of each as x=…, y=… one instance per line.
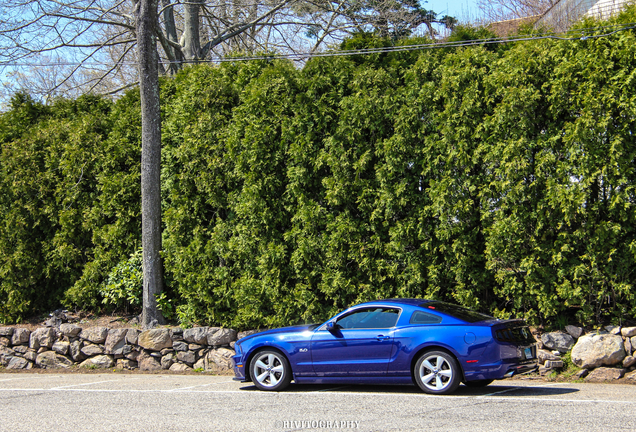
x=501, y=179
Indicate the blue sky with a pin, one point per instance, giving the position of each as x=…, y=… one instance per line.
x=464, y=10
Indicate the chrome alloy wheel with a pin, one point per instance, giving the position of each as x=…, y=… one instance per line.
x=270, y=370
x=436, y=372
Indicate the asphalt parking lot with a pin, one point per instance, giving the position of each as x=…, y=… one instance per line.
x=116, y=402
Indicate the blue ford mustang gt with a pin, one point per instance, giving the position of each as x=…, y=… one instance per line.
x=433, y=344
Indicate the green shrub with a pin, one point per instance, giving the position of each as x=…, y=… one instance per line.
x=123, y=288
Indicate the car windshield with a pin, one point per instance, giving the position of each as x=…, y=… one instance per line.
x=456, y=311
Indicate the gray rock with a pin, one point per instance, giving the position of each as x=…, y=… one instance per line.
x=70, y=330
x=628, y=346
x=6, y=331
x=30, y=355
x=52, y=360
x=186, y=357
x=581, y=374
x=126, y=364
x=21, y=349
x=5, y=341
x=631, y=377
x=101, y=361
x=628, y=332
x=133, y=354
x=574, y=331
x=94, y=334
x=176, y=334
x=179, y=367
x=42, y=349
x=155, y=354
x=6, y=354
x=132, y=336
x=195, y=347
x=20, y=336
x=155, y=339
x=629, y=361
x=200, y=364
x=553, y=364
x=167, y=361
x=605, y=374
x=612, y=329
x=115, y=341
x=147, y=362
x=92, y=350
x=222, y=336
x=76, y=351
x=197, y=335
x=543, y=356
x=232, y=344
x=219, y=360
x=166, y=351
x=19, y=363
x=126, y=349
x=61, y=347
x=633, y=343
x=561, y=342
x=180, y=346
x=42, y=337
x=543, y=370
x=592, y=351
x=246, y=333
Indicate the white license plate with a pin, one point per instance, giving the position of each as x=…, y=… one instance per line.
x=528, y=353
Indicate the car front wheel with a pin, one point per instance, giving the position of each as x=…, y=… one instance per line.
x=270, y=370
x=436, y=372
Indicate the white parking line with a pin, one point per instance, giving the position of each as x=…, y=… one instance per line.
x=197, y=386
x=83, y=384
x=499, y=392
x=13, y=379
x=534, y=399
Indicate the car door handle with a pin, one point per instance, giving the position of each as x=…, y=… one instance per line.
x=382, y=337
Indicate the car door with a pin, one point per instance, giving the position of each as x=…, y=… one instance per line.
x=359, y=345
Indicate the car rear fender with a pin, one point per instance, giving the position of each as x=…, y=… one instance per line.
x=432, y=347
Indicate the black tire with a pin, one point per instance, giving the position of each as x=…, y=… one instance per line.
x=270, y=370
x=478, y=383
x=437, y=372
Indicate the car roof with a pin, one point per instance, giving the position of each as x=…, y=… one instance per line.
x=404, y=301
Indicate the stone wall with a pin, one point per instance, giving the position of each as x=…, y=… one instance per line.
x=175, y=349
x=603, y=355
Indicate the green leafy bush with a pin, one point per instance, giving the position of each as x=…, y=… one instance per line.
x=123, y=288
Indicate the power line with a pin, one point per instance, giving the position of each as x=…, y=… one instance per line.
x=581, y=34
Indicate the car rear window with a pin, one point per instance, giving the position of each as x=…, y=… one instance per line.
x=456, y=311
x=420, y=317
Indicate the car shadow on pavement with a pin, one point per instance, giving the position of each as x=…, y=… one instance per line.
x=491, y=390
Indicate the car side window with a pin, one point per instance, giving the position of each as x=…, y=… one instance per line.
x=420, y=317
x=370, y=318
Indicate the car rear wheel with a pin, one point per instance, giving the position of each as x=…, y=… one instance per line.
x=436, y=372
x=478, y=383
x=270, y=370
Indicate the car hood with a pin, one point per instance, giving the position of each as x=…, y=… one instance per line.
x=290, y=329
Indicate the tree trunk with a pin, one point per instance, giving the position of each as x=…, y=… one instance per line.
x=146, y=14
x=171, y=35
x=190, y=40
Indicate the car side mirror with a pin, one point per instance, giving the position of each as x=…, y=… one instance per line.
x=332, y=326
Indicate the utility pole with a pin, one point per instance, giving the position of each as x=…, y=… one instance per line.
x=146, y=20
